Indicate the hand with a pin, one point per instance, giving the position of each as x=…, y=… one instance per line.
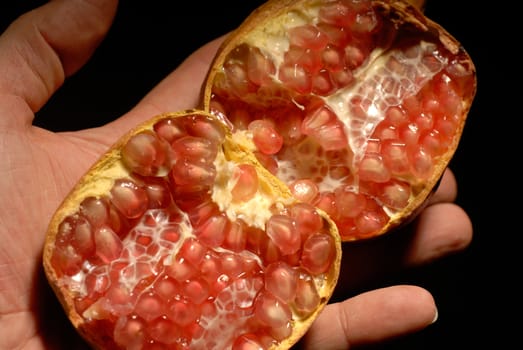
x=39, y=167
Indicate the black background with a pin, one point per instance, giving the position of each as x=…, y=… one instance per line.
x=475, y=289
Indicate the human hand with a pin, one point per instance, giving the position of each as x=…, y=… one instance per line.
x=39, y=167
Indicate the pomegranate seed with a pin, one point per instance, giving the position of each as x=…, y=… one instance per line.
x=95, y=210
x=196, y=291
x=318, y=253
x=265, y=136
x=395, y=157
x=282, y=231
x=307, y=298
x=183, y=313
x=307, y=219
x=186, y=173
x=130, y=199
x=281, y=280
x=235, y=238
x=246, y=183
x=289, y=127
x=180, y=269
x=194, y=149
x=164, y=331
x=239, y=83
x=167, y=288
x=145, y=153
x=149, y=306
x=370, y=221
x=309, y=61
x=395, y=194
x=212, y=231
x=305, y=190
x=158, y=193
x=259, y=67
x=322, y=83
x=337, y=13
x=308, y=36
x=193, y=251
x=129, y=333
x=372, y=168
x=349, y=203
x=169, y=129
x=247, y=342
x=296, y=78
x=205, y=128
x=270, y=311
x=333, y=59
x=108, y=244
x=82, y=237
x=422, y=164
x=67, y=260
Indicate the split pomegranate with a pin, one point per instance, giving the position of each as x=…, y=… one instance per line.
x=221, y=228
x=356, y=105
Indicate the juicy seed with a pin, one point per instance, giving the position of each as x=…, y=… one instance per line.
x=265, y=137
x=246, y=183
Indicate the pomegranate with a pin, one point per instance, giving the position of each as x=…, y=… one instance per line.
x=357, y=106
x=221, y=227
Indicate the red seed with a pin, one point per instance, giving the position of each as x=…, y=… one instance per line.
x=318, y=254
x=270, y=311
x=108, y=244
x=304, y=190
x=246, y=183
x=129, y=198
x=307, y=297
x=265, y=136
x=280, y=280
x=129, y=333
x=146, y=154
x=282, y=231
x=247, y=342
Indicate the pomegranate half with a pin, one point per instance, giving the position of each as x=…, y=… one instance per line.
x=357, y=106
x=321, y=121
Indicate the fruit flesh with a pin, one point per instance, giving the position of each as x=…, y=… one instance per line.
x=369, y=105
x=153, y=256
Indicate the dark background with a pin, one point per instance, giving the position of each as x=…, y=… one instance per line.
x=474, y=290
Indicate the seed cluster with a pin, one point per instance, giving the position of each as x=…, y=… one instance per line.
x=352, y=116
x=156, y=263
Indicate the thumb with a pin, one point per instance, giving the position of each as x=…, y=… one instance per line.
x=44, y=46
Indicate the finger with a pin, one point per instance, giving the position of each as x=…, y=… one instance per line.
x=439, y=230
x=43, y=46
x=179, y=91
x=446, y=190
x=374, y=316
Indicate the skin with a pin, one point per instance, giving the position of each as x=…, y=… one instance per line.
x=37, y=53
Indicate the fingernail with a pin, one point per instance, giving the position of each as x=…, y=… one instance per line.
x=435, y=316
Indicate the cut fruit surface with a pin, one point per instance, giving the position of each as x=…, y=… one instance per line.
x=191, y=244
x=367, y=98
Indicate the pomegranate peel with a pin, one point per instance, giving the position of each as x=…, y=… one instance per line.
x=370, y=104
x=173, y=272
